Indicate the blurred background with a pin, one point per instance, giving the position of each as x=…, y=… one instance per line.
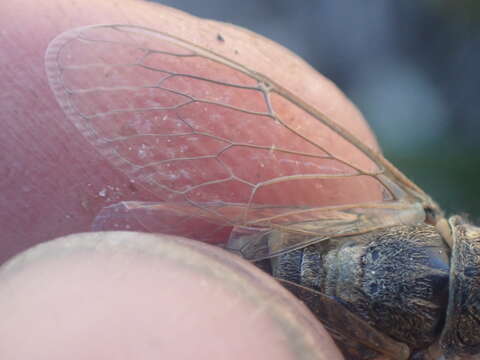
x=410, y=66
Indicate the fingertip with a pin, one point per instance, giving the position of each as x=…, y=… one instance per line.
x=132, y=295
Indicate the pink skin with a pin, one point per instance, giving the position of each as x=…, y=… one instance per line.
x=51, y=178
x=125, y=295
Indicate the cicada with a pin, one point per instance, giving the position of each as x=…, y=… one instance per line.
x=231, y=155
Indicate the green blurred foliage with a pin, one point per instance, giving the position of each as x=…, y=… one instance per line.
x=451, y=177
x=465, y=10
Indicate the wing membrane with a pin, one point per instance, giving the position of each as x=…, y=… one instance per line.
x=351, y=332
x=216, y=141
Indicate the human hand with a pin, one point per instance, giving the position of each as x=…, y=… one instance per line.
x=52, y=178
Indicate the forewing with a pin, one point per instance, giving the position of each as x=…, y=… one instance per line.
x=213, y=139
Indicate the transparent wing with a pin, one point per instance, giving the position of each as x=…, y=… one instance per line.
x=355, y=337
x=219, y=143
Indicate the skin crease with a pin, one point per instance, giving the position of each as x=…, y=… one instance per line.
x=50, y=178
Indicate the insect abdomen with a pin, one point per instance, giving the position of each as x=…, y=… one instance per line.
x=396, y=279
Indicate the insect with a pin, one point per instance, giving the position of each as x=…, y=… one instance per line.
x=387, y=275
